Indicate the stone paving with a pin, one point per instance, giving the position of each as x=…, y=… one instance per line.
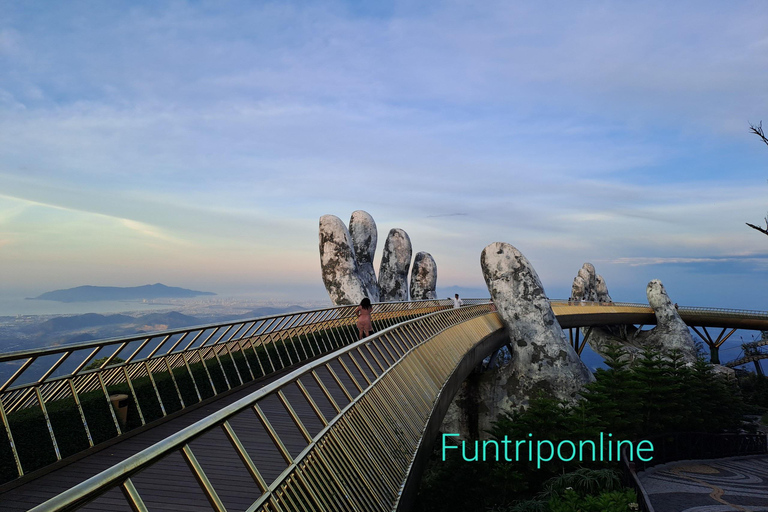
x=716, y=485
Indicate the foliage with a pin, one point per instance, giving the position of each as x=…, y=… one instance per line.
x=581, y=490
x=661, y=396
x=612, y=501
x=456, y=486
x=754, y=389
x=658, y=395
x=584, y=481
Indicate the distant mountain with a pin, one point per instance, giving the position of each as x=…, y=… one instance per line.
x=172, y=320
x=97, y=293
x=68, y=323
x=92, y=326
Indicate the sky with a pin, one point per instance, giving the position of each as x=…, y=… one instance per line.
x=198, y=143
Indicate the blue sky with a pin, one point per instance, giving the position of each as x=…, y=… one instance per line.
x=197, y=143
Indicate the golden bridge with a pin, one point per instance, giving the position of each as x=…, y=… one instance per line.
x=281, y=413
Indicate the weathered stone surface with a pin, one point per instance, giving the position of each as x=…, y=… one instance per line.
x=423, y=277
x=601, y=338
x=542, y=360
x=724, y=372
x=578, y=288
x=337, y=262
x=589, y=285
x=362, y=229
x=395, y=262
x=669, y=334
x=587, y=274
x=601, y=290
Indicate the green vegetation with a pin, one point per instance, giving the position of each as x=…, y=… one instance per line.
x=583, y=490
x=754, y=388
x=659, y=395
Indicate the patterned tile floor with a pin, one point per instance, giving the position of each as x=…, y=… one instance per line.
x=717, y=485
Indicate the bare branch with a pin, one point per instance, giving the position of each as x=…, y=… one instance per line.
x=764, y=231
x=758, y=130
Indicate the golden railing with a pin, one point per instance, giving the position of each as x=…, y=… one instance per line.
x=161, y=373
x=346, y=428
x=711, y=317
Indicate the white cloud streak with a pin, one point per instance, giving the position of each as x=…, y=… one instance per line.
x=568, y=129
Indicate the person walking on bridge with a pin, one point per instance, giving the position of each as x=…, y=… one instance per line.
x=364, y=325
x=457, y=302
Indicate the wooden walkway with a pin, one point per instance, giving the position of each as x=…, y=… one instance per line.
x=170, y=484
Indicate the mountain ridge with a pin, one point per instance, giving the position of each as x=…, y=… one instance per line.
x=89, y=293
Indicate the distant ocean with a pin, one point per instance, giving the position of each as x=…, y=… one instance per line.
x=14, y=306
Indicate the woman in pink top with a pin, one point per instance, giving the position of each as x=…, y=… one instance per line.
x=363, y=311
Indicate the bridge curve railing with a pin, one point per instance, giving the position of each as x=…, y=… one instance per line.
x=339, y=433
x=70, y=389
x=746, y=319
x=56, y=389
x=726, y=312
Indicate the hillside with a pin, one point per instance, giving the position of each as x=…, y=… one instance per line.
x=100, y=293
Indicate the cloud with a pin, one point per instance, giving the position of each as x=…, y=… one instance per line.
x=19, y=207
x=150, y=231
x=649, y=260
x=567, y=129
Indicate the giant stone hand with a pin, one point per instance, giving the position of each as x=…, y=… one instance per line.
x=346, y=260
x=542, y=358
x=338, y=263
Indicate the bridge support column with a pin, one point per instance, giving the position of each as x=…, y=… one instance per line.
x=714, y=354
x=578, y=345
x=714, y=345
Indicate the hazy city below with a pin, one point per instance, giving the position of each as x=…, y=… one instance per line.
x=33, y=324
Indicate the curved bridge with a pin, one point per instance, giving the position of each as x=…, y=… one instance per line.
x=751, y=354
x=590, y=314
x=339, y=433
x=343, y=431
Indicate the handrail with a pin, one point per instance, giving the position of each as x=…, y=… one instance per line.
x=751, y=313
x=166, y=371
x=377, y=306
x=632, y=480
x=675, y=446
x=389, y=381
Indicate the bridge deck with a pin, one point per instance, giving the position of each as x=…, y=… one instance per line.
x=168, y=484
x=593, y=313
x=170, y=480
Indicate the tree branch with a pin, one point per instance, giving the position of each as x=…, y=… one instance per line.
x=764, y=231
x=758, y=130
